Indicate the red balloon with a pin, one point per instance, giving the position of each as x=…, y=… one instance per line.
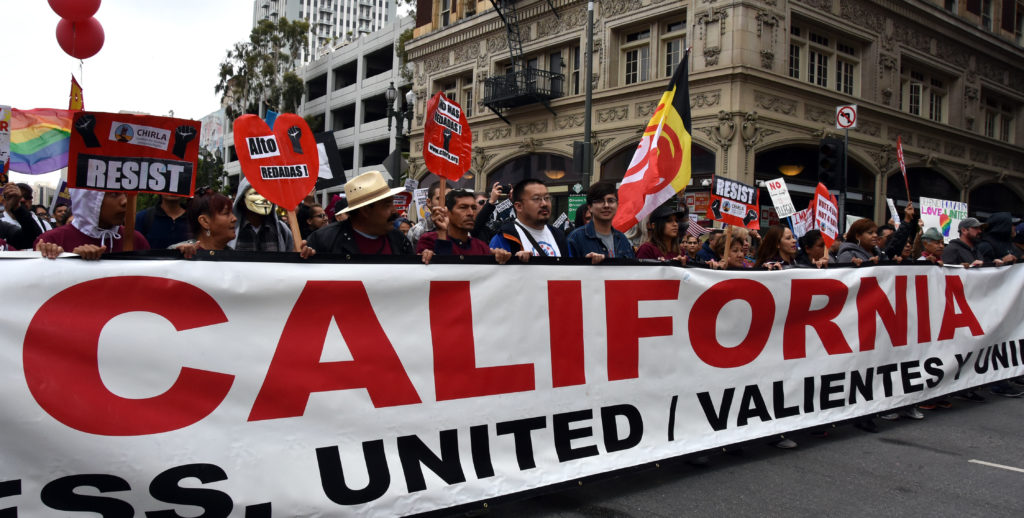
x=75, y=10
x=80, y=39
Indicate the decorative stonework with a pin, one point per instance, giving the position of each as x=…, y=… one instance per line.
x=905, y=135
x=613, y=114
x=930, y=143
x=979, y=155
x=819, y=114
x=871, y=129
x=884, y=158
x=435, y=63
x=711, y=56
x=617, y=7
x=573, y=120
x=955, y=150
x=1001, y=161
x=775, y=103
x=467, y=53
x=530, y=144
x=646, y=109
x=752, y=131
x=767, y=31
x=565, y=22
x=531, y=128
x=705, y=99
x=481, y=158
x=497, y=43
x=723, y=132
x=818, y=4
x=501, y=132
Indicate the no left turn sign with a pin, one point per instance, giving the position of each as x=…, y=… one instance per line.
x=846, y=116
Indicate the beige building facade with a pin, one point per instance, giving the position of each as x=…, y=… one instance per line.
x=765, y=79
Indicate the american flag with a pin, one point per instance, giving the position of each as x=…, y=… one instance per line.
x=696, y=230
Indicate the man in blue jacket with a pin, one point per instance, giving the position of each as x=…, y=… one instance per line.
x=598, y=237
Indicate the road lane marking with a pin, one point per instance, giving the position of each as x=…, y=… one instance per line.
x=1000, y=466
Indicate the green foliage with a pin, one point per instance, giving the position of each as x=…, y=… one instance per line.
x=403, y=56
x=210, y=172
x=262, y=69
x=316, y=122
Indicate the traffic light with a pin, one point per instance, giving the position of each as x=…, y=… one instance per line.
x=830, y=162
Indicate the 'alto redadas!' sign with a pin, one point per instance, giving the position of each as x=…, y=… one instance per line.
x=281, y=164
x=447, y=140
x=133, y=153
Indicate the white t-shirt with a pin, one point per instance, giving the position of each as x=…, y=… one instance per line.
x=544, y=238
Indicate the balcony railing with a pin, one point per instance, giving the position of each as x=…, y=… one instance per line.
x=522, y=87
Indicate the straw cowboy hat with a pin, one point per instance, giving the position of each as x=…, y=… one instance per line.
x=366, y=189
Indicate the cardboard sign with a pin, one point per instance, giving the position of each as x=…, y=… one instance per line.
x=826, y=214
x=420, y=195
x=133, y=153
x=944, y=215
x=447, y=140
x=802, y=221
x=780, y=197
x=5, y=141
x=734, y=203
x=281, y=164
x=895, y=213
x=402, y=201
x=575, y=202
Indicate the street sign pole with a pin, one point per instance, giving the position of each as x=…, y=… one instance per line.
x=842, y=189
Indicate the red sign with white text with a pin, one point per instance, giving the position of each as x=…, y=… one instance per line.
x=281, y=164
x=734, y=203
x=447, y=140
x=133, y=153
x=826, y=214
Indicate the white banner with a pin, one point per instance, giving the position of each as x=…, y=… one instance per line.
x=944, y=215
x=386, y=390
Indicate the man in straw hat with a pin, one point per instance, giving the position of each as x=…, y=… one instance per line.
x=367, y=231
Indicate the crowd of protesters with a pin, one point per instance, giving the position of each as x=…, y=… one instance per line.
x=463, y=223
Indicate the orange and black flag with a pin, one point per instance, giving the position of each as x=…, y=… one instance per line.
x=661, y=165
x=76, y=100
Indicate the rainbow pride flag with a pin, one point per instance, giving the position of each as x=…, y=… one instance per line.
x=39, y=140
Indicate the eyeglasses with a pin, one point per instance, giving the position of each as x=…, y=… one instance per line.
x=540, y=199
x=321, y=215
x=607, y=201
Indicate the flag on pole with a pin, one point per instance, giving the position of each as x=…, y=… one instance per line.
x=39, y=140
x=661, y=164
x=76, y=101
x=903, y=163
x=696, y=230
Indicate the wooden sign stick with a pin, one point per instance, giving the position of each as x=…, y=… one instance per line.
x=293, y=223
x=129, y=224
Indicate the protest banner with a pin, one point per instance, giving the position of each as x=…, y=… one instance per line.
x=122, y=152
x=734, y=203
x=420, y=197
x=826, y=214
x=342, y=405
x=780, y=197
x=402, y=201
x=282, y=164
x=944, y=215
x=138, y=375
x=895, y=213
x=331, y=170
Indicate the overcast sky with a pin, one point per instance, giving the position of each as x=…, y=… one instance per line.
x=159, y=55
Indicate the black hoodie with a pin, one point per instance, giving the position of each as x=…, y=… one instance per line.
x=997, y=243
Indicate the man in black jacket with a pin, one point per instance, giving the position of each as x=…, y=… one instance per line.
x=964, y=251
x=529, y=234
x=13, y=235
x=367, y=231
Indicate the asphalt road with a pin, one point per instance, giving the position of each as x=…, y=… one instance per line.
x=910, y=468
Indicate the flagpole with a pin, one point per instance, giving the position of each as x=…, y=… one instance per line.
x=588, y=154
x=842, y=189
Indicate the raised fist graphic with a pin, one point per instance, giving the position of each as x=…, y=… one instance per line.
x=182, y=136
x=86, y=127
x=295, y=135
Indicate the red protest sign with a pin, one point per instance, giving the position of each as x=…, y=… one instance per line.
x=447, y=140
x=826, y=214
x=133, y=153
x=402, y=201
x=282, y=164
x=734, y=203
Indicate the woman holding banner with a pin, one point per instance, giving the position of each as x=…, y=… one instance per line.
x=663, y=243
x=733, y=250
x=95, y=230
x=211, y=220
x=860, y=245
x=778, y=249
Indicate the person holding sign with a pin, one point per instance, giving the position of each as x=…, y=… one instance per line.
x=95, y=230
x=258, y=227
x=454, y=222
x=530, y=233
x=367, y=231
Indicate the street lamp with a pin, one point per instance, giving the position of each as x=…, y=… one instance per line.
x=391, y=96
